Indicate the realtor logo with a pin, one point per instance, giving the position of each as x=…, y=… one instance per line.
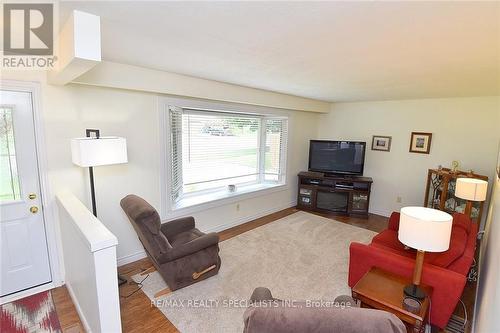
x=28, y=29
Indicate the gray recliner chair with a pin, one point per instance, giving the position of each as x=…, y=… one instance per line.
x=181, y=253
x=270, y=315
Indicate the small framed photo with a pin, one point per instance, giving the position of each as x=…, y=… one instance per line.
x=382, y=143
x=420, y=142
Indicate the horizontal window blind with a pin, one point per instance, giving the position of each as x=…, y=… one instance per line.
x=176, y=152
x=276, y=134
x=211, y=150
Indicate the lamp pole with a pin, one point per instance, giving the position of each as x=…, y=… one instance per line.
x=96, y=134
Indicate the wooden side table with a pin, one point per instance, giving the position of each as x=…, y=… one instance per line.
x=382, y=290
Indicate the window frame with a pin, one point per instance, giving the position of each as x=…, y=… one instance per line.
x=171, y=209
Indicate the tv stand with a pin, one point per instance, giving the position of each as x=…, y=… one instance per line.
x=339, y=194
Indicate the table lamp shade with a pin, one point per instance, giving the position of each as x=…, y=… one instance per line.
x=90, y=152
x=425, y=229
x=471, y=189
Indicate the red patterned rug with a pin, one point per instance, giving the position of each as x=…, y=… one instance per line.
x=36, y=313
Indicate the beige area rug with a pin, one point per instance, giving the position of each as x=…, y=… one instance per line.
x=300, y=257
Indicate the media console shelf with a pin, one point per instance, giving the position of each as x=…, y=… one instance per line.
x=345, y=195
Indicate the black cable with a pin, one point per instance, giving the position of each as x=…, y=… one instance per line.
x=139, y=288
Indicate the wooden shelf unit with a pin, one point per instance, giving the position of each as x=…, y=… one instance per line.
x=440, y=192
x=343, y=195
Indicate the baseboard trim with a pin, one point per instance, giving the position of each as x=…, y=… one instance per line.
x=248, y=218
x=131, y=258
x=218, y=228
x=380, y=212
x=83, y=319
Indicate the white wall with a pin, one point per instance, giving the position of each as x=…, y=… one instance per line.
x=464, y=129
x=69, y=110
x=116, y=75
x=487, y=306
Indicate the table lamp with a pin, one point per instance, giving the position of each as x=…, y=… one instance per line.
x=471, y=189
x=95, y=150
x=423, y=229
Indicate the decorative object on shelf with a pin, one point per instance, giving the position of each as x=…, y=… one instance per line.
x=420, y=142
x=440, y=192
x=411, y=304
x=454, y=166
x=423, y=229
x=382, y=143
x=231, y=188
x=94, y=150
x=471, y=189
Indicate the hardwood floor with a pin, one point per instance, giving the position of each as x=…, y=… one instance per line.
x=138, y=315
x=68, y=317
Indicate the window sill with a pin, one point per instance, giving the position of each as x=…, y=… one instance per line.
x=200, y=202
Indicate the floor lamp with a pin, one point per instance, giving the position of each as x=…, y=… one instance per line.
x=471, y=189
x=423, y=229
x=93, y=151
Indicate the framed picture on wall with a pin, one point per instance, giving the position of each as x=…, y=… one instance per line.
x=382, y=143
x=420, y=142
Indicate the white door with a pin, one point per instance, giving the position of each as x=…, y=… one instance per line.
x=24, y=254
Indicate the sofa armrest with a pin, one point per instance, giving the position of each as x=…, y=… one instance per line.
x=394, y=221
x=447, y=285
x=177, y=226
x=188, y=248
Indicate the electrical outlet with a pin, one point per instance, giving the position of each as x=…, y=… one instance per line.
x=237, y=207
x=399, y=200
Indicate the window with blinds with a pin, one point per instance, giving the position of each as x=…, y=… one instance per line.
x=212, y=150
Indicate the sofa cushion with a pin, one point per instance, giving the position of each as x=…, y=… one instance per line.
x=459, y=219
x=140, y=211
x=185, y=237
x=389, y=238
x=458, y=242
x=276, y=317
x=462, y=221
x=394, y=221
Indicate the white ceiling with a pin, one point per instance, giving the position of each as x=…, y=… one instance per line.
x=332, y=51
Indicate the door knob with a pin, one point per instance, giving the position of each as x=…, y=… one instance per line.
x=32, y=196
x=34, y=209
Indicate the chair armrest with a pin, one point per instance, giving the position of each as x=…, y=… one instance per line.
x=188, y=248
x=447, y=284
x=394, y=221
x=175, y=227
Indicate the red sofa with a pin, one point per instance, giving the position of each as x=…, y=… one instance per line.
x=446, y=272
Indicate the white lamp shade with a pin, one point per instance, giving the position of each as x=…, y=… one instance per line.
x=425, y=229
x=471, y=189
x=90, y=152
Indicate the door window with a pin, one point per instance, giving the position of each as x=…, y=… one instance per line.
x=9, y=179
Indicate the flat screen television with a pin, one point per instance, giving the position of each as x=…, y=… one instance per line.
x=337, y=157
